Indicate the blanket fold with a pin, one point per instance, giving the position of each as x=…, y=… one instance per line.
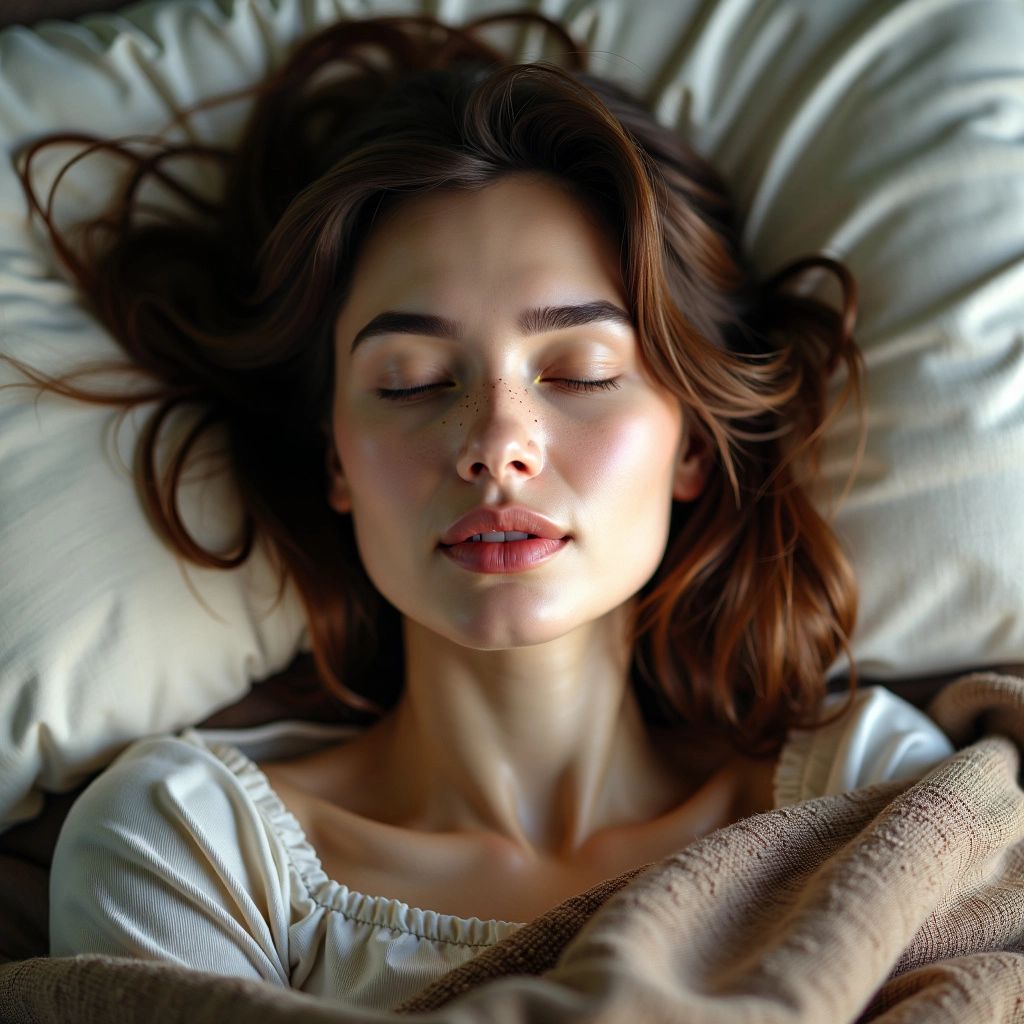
x=901, y=903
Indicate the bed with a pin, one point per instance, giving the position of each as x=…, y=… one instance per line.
x=889, y=134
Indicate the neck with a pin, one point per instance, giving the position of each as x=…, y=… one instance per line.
x=544, y=746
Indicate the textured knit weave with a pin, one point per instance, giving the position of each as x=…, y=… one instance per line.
x=898, y=902
x=182, y=852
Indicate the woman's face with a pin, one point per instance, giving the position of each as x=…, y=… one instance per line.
x=495, y=422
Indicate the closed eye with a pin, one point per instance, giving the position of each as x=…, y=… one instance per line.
x=592, y=385
x=397, y=394
x=403, y=394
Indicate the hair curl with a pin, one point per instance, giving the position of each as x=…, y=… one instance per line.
x=232, y=309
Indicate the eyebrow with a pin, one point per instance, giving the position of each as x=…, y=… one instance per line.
x=531, y=321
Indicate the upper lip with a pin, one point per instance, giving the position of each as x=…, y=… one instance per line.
x=493, y=520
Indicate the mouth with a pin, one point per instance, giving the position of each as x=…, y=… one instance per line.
x=514, y=524
x=513, y=553
x=498, y=537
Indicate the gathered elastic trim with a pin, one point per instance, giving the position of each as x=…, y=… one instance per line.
x=808, y=754
x=377, y=911
x=794, y=765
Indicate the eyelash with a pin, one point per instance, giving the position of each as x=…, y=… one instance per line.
x=403, y=394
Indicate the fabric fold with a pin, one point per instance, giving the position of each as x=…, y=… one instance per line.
x=901, y=902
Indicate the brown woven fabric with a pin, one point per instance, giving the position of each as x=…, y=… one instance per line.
x=531, y=950
x=112, y=990
x=900, y=903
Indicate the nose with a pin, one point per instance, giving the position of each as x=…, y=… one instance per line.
x=501, y=438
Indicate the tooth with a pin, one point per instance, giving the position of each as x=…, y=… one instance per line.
x=493, y=538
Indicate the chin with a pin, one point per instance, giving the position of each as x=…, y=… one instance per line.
x=505, y=638
x=499, y=628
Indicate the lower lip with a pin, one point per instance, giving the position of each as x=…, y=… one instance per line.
x=504, y=556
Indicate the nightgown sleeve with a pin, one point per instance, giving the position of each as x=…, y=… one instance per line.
x=164, y=857
x=882, y=738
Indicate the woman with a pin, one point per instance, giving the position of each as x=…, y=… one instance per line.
x=507, y=404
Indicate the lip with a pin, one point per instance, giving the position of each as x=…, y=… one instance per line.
x=492, y=520
x=510, y=556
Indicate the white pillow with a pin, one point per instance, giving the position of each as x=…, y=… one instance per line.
x=887, y=134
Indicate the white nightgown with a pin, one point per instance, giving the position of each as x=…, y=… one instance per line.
x=180, y=851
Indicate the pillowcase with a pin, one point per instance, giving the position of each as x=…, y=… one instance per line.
x=885, y=134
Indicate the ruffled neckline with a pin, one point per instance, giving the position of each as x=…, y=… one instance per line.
x=379, y=911
x=789, y=783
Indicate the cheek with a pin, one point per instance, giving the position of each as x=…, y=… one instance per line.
x=380, y=487
x=630, y=456
x=381, y=465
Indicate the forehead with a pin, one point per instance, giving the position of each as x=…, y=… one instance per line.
x=524, y=237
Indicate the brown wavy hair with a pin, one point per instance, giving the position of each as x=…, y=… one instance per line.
x=230, y=308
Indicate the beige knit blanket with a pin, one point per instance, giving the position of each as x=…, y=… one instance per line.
x=901, y=902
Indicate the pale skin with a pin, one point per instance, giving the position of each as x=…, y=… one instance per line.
x=517, y=752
